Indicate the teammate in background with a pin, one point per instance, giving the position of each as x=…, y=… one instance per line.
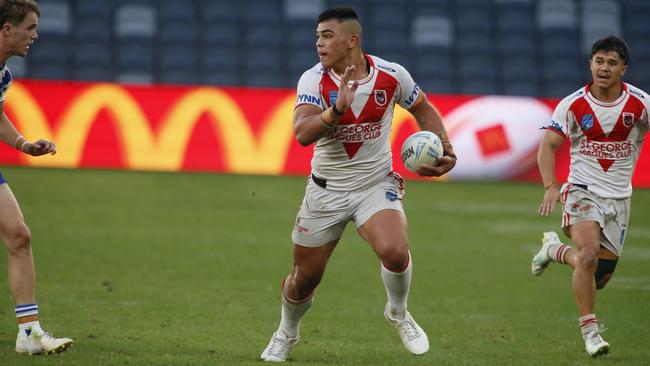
x=605, y=122
x=19, y=19
x=345, y=107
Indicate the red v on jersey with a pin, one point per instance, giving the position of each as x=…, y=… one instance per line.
x=377, y=94
x=591, y=127
x=588, y=122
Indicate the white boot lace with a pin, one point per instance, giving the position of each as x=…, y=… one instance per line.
x=408, y=329
x=278, y=346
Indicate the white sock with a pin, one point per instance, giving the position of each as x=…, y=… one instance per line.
x=292, y=313
x=397, y=288
x=557, y=252
x=28, y=311
x=31, y=327
x=588, y=324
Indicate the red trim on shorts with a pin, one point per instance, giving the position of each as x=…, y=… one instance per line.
x=565, y=216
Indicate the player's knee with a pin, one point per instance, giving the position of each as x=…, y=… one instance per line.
x=604, y=272
x=587, y=258
x=396, y=260
x=19, y=239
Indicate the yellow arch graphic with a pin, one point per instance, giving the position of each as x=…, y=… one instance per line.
x=142, y=147
x=400, y=117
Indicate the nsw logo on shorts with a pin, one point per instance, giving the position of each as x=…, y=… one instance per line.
x=578, y=208
x=392, y=196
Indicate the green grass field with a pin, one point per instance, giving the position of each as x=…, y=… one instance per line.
x=185, y=269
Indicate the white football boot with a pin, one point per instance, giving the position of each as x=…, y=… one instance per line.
x=413, y=337
x=595, y=345
x=37, y=344
x=279, y=347
x=541, y=260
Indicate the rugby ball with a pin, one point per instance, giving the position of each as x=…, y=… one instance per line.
x=421, y=148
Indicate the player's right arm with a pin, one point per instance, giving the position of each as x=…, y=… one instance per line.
x=8, y=133
x=546, y=164
x=556, y=132
x=310, y=122
x=10, y=136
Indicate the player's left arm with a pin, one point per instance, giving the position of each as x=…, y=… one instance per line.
x=10, y=136
x=429, y=119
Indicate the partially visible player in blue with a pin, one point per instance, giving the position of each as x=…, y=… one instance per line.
x=19, y=19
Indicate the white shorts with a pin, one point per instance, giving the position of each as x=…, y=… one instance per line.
x=611, y=214
x=324, y=213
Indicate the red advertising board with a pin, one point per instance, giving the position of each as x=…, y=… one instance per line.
x=249, y=131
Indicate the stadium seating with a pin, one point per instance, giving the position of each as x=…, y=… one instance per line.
x=598, y=18
x=50, y=60
x=18, y=67
x=303, y=9
x=512, y=47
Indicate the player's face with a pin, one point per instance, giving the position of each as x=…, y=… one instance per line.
x=607, y=69
x=331, y=43
x=22, y=35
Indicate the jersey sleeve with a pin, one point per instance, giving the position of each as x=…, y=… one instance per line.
x=308, y=91
x=645, y=99
x=5, y=83
x=408, y=90
x=560, y=120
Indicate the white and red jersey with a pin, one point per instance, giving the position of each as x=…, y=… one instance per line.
x=356, y=153
x=5, y=82
x=606, y=138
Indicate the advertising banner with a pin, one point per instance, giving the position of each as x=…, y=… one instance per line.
x=249, y=131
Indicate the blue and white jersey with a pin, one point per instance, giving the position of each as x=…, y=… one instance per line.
x=5, y=82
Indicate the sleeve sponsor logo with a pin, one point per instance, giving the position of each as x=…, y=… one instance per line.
x=309, y=99
x=411, y=99
x=555, y=125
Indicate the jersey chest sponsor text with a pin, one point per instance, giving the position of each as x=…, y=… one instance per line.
x=359, y=132
x=363, y=121
x=606, y=150
x=605, y=130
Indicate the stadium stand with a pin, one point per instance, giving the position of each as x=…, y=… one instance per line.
x=135, y=30
x=50, y=60
x=512, y=47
